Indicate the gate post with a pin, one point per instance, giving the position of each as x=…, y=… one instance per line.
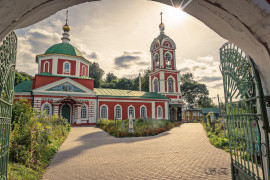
x=8, y=51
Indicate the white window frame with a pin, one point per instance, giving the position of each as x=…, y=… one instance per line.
x=174, y=88
x=118, y=105
x=159, y=117
x=156, y=65
x=50, y=111
x=44, y=66
x=84, y=70
x=167, y=52
x=155, y=78
x=143, y=106
x=64, y=70
x=104, y=105
x=133, y=111
x=86, y=111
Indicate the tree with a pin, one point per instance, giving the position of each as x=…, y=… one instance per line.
x=192, y=91
x=145, y=80
x=206, y=102
x=96, y=73
x=21, y=76
x=110, y=77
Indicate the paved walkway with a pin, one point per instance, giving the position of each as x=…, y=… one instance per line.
x=181, y=153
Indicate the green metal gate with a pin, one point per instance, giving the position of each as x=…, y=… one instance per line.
x=246, y=115
x=8, y=51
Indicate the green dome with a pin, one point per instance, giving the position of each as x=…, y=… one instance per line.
x=63, y=48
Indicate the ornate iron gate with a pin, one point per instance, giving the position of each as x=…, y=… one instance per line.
x=8, y=51
x=246, y=115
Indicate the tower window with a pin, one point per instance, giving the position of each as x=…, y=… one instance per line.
x=156, y=61
x=156, y=85
x=84, y=70
x=168, y=58
x=67, y=67
x=170, y=85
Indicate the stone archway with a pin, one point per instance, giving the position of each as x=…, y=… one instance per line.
x=243, y=22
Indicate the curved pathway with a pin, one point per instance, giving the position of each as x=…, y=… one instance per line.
x=181, y=153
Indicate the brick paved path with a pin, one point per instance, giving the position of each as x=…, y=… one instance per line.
x=181, y=153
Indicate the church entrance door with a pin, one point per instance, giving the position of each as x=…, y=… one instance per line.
x=66, y=112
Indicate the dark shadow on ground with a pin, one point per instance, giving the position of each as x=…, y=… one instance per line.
x=98, y=138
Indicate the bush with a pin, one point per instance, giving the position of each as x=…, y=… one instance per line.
x=141, y=127
x=35, y=138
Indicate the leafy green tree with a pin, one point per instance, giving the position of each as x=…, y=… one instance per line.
x=96, y=73
x=206, y=102
x=110, y=77
x=145, y=80
x=125, y=83
x=192, y=91
x=21, y=76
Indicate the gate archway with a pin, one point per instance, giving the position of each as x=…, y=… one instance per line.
x=246, y=115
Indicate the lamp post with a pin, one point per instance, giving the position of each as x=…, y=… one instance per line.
x=212, y=120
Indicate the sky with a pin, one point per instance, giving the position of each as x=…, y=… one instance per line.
x=118, y=34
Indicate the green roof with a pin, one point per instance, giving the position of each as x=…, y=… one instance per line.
x=175, y=105
x=63, y=48
x=207, y=110
x=161, y=37
x=103, y=92
x=49, y=74
x=25, y=86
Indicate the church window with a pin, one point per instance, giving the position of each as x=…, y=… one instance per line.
x=66, y=67
x=118, y=112
x=84, y=70
x=170, y=85
x=167, y=44
x=47, y=109
x=143, y=112
x=84, y=112
x=156, y=85
x=159, y=112
x=104, y=112
x=156, y=58
x=66, y=87
x=46, y=66
x=168, y=58
x=131, y=112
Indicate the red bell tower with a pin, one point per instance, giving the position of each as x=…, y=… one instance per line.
x=165, y=78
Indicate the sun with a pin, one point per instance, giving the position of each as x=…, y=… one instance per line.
x=175, y=15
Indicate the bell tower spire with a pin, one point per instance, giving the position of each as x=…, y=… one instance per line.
x=66, y=29
x=161, y=25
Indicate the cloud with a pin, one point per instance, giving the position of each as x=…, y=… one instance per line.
x=218, y=85
x=209, y=79
x=130, y=59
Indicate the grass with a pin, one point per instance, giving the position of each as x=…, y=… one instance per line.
x=18, y=171
x=141, y=128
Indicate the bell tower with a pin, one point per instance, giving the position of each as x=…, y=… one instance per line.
x=164, y=77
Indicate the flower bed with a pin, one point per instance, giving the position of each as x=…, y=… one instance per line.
x=141, y=127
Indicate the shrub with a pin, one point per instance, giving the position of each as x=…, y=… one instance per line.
x=35, y=137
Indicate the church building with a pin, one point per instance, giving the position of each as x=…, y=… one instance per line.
x=63, y=86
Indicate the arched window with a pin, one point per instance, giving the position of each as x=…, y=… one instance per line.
x=118, y=112
x=84, y=112
x=47, y=109
x=131, y=112
x=104, y=112
x=46, y=66
x=66, y=67
x=167, y=44
x=170, y=85
x=84, y=70
x=156, y=85
x=168, y=59
x=156, y=59
x=143, y=112
x=159, y=112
